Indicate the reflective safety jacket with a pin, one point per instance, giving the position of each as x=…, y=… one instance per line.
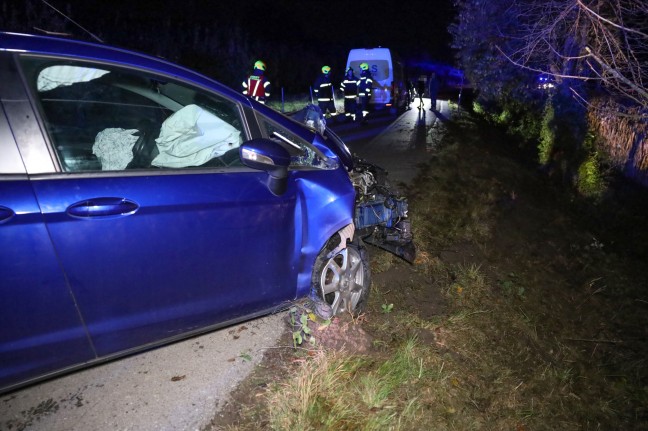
x=323, y=88
x=349, y=86
x=257, y=86
x=365, y=84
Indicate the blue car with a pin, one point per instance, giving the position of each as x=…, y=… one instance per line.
x=142, y=202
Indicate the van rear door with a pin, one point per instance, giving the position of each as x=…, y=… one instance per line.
x=386, y=74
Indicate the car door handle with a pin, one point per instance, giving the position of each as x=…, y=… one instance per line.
x=102, y=208
x=6, y=214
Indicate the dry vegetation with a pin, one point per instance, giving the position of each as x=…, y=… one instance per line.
x=519, y=314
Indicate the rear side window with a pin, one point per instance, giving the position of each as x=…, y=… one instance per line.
x=102, y=118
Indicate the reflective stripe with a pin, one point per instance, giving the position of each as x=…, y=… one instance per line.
x=256, y=84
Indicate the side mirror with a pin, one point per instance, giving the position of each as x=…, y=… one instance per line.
x=266, y=155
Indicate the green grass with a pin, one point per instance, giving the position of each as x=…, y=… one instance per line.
x=294, y=103
x=341, y=392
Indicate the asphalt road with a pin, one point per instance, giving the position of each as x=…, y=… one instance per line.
x=176, y=387
x=181, y=386
x=400, y=144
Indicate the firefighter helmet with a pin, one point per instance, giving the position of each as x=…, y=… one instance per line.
x=364, y=66
x=260, y=65
x=326, y=70
x=349, y=69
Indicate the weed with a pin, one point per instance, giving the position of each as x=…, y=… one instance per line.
x=512, y=287
x=300, y=318
x=387, y=308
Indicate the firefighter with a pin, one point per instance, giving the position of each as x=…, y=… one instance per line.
x=349, y=87
x=324, y=90
x=365, y=86
x=257, y=85
x=433, y=91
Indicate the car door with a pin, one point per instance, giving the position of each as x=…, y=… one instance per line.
x=160, y=229
x=41, y=328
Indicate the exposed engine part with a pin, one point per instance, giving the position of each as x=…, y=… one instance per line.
x=381, y=214
x=362, y=182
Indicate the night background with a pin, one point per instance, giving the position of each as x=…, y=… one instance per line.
x=224, y=38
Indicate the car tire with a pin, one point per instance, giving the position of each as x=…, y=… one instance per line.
x=344, y=279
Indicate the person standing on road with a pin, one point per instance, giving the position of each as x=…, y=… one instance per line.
x=349, y=88
x=433, y=91
x=410, y=94
x=365, y=87
x=257, y=85
x=420, y=90
x=323, y=89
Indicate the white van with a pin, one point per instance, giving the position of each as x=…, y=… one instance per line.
x=389, y=89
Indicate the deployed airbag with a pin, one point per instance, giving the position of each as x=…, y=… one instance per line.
x=61, y=76
x=192, y=136
x=114, y=148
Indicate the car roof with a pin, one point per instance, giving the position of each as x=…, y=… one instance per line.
x=48, y=45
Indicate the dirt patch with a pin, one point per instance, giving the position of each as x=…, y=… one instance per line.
x=413, y=290
x=343, y=334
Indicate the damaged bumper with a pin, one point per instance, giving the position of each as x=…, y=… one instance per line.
x=381, y=213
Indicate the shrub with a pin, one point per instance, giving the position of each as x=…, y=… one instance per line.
x=547, y=134
x=590, y=182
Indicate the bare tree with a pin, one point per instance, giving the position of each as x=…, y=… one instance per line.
x=602, y=42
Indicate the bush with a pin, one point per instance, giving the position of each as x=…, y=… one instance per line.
x=547, y=134
x=590, y=182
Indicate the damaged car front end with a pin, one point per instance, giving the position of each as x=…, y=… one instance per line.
x=381, y=212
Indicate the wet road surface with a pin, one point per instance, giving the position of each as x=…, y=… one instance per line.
x=399, y=144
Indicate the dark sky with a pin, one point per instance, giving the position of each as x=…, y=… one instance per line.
x=416, y=29
x=413, y=28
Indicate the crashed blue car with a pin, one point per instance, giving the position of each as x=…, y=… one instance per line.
x=141, y=203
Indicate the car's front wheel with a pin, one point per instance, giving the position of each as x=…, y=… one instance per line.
x=343, y=280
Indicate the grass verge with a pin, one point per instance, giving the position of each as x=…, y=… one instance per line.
x=514, y=317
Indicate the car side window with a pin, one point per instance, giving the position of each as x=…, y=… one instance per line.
x=101, y=118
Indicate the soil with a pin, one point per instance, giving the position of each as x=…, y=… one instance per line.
x=579, y=256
